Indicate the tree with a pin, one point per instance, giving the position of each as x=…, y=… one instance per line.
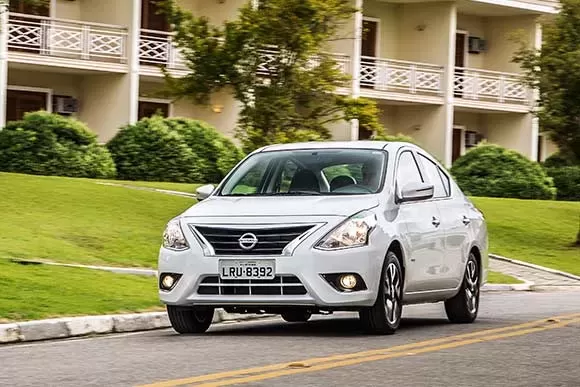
x=292, y=98
x=555, y=71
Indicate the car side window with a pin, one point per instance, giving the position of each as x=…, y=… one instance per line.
x=446, y=181
x=433, y=174
x=408, y=170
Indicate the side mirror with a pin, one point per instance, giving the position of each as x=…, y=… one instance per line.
x=416, y=191
x=204, y=191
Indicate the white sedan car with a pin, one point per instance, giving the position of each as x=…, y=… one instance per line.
x=313, y=228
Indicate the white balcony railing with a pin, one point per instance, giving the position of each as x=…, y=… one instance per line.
x=401, y=76
x=271, y=55
x=67, y=38
x=490, y=86
x=158, y=49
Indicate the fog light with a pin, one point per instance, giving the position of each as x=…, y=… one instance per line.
x=348, y=281
x=168, y=282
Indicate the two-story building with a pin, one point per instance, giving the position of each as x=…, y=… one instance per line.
x=441, y=71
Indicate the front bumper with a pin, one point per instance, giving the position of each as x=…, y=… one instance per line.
x=307, y=266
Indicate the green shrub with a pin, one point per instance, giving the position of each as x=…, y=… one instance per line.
x=567, y=182
x=217, y=154
x=150, y=150
x=493, y=171
x=49, y=144
x=394, y=138
x=560, y=159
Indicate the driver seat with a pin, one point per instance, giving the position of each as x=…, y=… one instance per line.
x=304, y=180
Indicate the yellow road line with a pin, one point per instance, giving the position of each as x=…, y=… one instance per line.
x=322, y=363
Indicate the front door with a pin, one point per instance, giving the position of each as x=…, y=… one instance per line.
x=20, y=102
x=460, y=41
x=456, y=233
x=369, y=72
x=457, y=133
x=420, y=222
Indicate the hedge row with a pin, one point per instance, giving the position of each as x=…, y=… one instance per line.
x=154, y=149
x=186, y=150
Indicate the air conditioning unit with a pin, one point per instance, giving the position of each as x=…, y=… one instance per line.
x=472, y=139
x=66, y=105
x=476, y=45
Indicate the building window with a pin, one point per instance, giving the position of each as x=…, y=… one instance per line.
x=20, y=102
x=151, y=19
x=148, y=109
x=40, y=8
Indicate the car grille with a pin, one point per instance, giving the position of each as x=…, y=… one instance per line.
x=281, y=285
x=270, y=241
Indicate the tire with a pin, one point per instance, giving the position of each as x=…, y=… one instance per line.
x=187, y=320
x=381, y=318
x=296, y=315
x=464, y=306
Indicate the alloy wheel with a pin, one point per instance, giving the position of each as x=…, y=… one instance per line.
x=392, y=289
x=472, y=286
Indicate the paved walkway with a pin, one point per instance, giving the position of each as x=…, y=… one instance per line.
x=538, y=277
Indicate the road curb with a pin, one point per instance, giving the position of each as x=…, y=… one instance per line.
x=113, y=269
x=533, y=266
x=525, y=287
x=69, y=327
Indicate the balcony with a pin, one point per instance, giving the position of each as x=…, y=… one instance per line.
x=67, y=43
x=156, y=48
x=401, y=80
x=490, y=89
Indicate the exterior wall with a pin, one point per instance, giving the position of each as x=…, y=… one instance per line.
x=430, y=45
x=498, y=31
x=67, y=10
x=105, y=103
x=63, y=84
x=107, y=11
x=424, y=123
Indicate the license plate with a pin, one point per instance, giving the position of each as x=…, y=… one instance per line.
x=247, y=269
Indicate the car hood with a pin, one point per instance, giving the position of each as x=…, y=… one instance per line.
x=221, y=206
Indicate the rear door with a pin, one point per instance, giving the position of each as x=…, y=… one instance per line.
x=421, y=229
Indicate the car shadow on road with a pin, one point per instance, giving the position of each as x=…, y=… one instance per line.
x=334, y=327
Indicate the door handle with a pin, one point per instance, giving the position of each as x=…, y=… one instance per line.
x=436, y=222
x=466, y=220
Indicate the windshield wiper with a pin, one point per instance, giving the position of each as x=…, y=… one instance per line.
x=295, y=193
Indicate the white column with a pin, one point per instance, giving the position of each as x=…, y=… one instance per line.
x=449, y=74
x=3, y=60
x=133, y=44
x=355, y=63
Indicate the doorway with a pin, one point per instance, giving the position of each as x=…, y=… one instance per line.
x=460, y=62
x=369, y=51
x=456, y=148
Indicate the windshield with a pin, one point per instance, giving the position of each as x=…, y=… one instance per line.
x=308, y=172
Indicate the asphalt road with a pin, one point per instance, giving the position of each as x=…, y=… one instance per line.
x=516, y=341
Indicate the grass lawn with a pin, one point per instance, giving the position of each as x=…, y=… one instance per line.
x=536, y=231
x=42, y=291
x=76, y=220
x=494, y=277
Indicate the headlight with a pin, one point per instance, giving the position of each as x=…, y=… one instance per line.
x=354, y=232
x=173, y=237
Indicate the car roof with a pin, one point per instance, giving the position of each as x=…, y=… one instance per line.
x=361, y=144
